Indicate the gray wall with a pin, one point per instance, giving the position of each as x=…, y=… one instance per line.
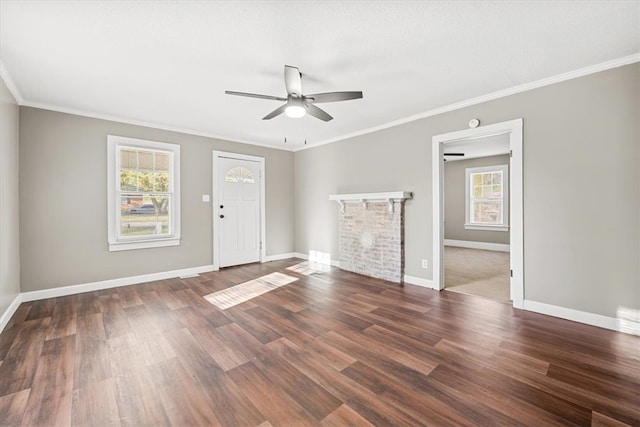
x=9, y=201
x=581, y=192
x=63, y=228
x=581, y=187
x=455, y=203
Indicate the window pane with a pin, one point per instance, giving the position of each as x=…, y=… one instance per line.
x=477, y=179
x=137, y=170
x=239, y=174
x=161, y=181
x=145, y=160
x=145, y=181
x=128, y=181
x=487, y=212
x=144, y=215
x=497, y=178
x=496, y=191
x=128, y=158
x=486, y=178
x=162, y=161
x=477, y=191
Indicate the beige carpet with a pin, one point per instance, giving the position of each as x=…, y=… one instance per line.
x=477, y=272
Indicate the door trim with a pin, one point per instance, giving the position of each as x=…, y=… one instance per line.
x=216, y=210
x=514, y=129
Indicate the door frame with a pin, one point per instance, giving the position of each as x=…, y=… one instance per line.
x=514, y=129
x=216, y=197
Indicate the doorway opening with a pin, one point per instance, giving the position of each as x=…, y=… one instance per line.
x=507, y=135
x=476, y=217
x=238, y=196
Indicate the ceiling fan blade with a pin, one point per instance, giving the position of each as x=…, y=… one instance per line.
x=255, y=95
x=275, y=112
x=293, y=81
x=318, y=113
x=333, y=96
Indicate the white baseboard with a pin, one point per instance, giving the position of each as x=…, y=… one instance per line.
x=630, y=326
x=418, y=281
x=478, y=245
x=582, y=317
x=10, y=311
x=279, y=257
x=113, y=283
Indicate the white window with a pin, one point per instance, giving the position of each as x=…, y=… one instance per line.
x=143, y=193
x=239, y=174
x=487, y=198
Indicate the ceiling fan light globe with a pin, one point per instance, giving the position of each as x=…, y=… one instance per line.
x=295, y=111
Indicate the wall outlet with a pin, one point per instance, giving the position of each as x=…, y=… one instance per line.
x=425, y=263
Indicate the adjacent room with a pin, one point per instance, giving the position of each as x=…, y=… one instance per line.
x=376, y=213
x=476, y=217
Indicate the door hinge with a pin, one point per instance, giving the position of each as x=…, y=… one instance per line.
x=260, y=245
x=511, y=273
x=510, y=153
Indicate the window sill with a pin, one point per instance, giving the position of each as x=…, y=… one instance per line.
x=486, y=227
x=144, y=244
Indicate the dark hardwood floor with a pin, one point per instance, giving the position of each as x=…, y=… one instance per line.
x=332, y=348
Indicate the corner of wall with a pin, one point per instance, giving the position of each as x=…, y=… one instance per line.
x=9, y=200
x=10, y=311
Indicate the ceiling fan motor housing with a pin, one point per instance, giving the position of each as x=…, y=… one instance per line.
x=296, y=108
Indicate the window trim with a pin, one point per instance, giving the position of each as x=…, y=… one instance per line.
x=504, y=226
x=113, y=203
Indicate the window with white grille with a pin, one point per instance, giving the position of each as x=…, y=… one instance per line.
x=143, y=193
x=487, y=198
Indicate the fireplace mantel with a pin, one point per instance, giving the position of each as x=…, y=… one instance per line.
x=371, y=233
x=364, y=198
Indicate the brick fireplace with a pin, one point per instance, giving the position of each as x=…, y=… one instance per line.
x=371, y=234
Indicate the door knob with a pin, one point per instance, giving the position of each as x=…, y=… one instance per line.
x=221, y=206
x=221, y=216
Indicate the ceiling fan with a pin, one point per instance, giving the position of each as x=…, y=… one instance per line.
x=453, y=154
x=297, y=104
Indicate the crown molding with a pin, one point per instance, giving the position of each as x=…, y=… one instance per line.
x=154, y=125
x=603, y=66
x=6, y=77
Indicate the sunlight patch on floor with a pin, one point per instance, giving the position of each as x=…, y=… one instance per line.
x=629, y=320
x=308, y=268
x=243, y=292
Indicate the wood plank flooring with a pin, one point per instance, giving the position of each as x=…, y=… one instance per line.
x=331, y=349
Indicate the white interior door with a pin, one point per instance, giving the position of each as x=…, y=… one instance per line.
x=239, y=211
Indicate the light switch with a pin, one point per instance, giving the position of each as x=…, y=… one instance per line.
x=205, y=198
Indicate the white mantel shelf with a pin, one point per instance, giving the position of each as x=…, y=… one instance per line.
x=364, y=198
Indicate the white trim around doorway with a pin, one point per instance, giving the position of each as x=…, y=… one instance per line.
x=514, y=129
x=216, y=209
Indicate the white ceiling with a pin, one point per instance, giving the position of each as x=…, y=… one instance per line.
x=478, y=147
x=167, y=64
